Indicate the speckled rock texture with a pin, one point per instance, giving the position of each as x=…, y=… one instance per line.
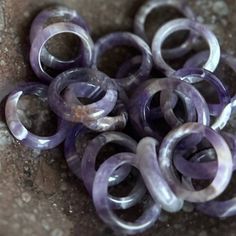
x=38, y=194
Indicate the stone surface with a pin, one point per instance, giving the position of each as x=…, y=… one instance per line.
x=58, y=203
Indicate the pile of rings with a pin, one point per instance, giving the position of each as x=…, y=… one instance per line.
x=164, y=162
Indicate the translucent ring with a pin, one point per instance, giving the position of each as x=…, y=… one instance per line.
x=150, y=170
x=184, y=24
x=148, y=7
x=18, y=129
x=82, y=113
x=49, y=32
x=68, y=15
x=140, y=102
x=102, y=204
x=193, y=75
x=197, y=169
x=88, y=171
x=120, y=39
x=224, y=157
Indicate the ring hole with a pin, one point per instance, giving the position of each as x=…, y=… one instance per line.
x=64, y=46
x=126, y=186
x=36, y=116
x=133, y=213
x=109, y=150
x=156, y=119
x=156, y=19
x=113, y=58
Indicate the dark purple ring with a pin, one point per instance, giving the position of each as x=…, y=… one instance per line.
x=18, y=129
x=39, y=23
x=224, y=157
x=49, y=32
x=102, y=203
x=184, y=24
x=82, y=113
x=88, y=171
x=148, y=7
x=121, y=39
x=141, y=100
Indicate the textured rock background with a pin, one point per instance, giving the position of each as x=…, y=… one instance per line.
x=38, y=194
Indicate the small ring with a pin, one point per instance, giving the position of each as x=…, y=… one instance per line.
x=102, y=203
x=49, y=32
x=82, y=113
x=141, y=99
x=184, y=24
x=203, y=170
x=18, y=129
x=224, y=157
x=125, y=38
x=150, y=170
x=148, y=7
x=88, y=171
x=68, y=15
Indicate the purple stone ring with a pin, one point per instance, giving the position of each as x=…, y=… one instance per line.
x=50, y=31
x=102, y=203
x=88, y=171
x=18, y=129
x=184, y=24
x=75, y=112
x=148, y=7
x=125, y=39
x=66, y=15
x=224, y=158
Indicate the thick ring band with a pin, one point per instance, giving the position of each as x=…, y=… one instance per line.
x=50, y=31
x=67, y=15
x=82, y=113
x=148, y=7
x=184, y=24
x=17, y=128
x=224, y=157
x=102, y=203
x=125, y=39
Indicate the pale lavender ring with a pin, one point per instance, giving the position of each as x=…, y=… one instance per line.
x=82, y=113
x=148, y=7
x=120, y=39
x=88, y=171
x=155, y=183
x=18, y=129
x=194, y=74
x=102, y=203
x=140, y=103
x=49, y=32
x=184, y=24
x=68, y=15
x=215, y=208
x=224, y=157
x=204, y=170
